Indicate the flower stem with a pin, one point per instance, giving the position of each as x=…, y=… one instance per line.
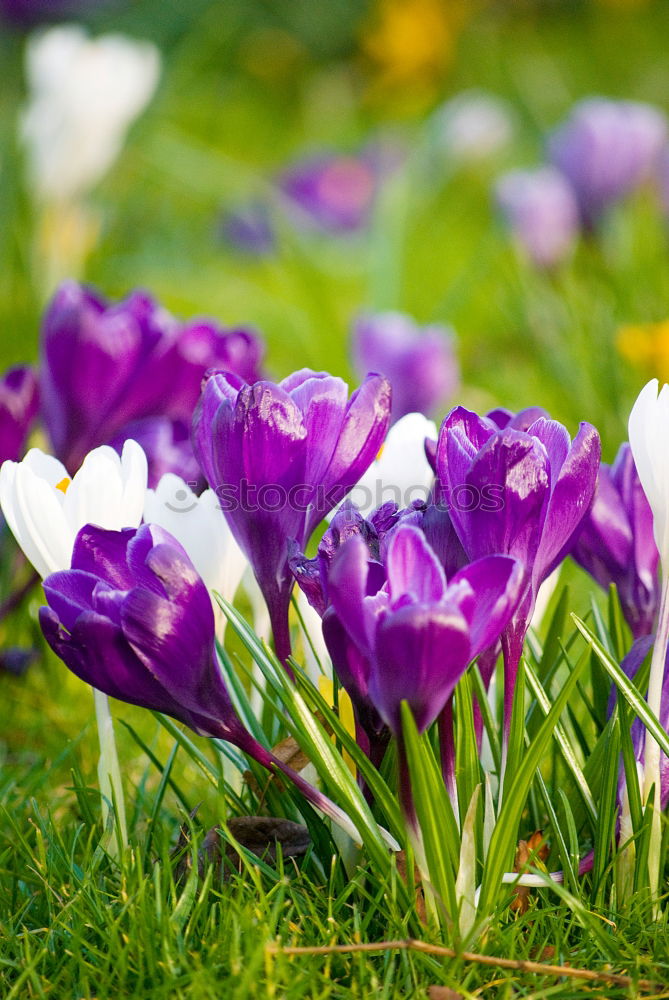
x=651, y=771
x=109, y=772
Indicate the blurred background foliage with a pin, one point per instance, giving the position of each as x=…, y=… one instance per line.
x=248, y=87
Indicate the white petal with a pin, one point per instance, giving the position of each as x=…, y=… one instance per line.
x=42, y=529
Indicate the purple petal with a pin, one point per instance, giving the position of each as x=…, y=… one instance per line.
x=516, y=467
x=421, y=653
x=413, y=568
x=495, y=586
x=363, y=431
x=104, y=554
x=569, y=502
x=348, y=586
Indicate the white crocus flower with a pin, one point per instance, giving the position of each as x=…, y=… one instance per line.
x=649, y=441
x=474, y=125
x=200, y=526
x=401, y=472
x=45, y=509
x=83, y=96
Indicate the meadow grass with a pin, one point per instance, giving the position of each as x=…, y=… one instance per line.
x=75, y=922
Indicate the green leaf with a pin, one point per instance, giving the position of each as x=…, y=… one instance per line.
x=564, y=744
x=625, y=685
x=439, y=835
x=505, y=834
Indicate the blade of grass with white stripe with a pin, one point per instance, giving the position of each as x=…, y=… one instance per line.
x=467, y=759
x=625, y=685
x=608, y=811
x=563, y=742
x=383, y=796
x=505, y=835
x=440, y=839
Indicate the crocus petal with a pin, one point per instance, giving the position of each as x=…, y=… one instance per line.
x=348, y=588
x=421, y=653
x=516, y=466
x=412, y=567
x=97, y=652
x=569, y=501
x=104, y=553
x=495, y=586
x=362, y=433
x=648, y=424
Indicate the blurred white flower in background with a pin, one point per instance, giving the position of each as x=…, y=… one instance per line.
x=474, y=125
x=83, y=96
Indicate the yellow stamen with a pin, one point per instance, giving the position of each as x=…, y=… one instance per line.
x=63, y=484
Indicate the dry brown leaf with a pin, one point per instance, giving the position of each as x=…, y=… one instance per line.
x=401, y=862
x=288, y=752
x=443, y=993
x=258, y=834
x=528, y=852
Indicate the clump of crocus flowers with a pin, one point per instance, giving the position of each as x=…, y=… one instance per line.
x=407, y=593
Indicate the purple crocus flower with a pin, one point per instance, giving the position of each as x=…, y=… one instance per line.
x=616, y=542
x=280, y=458
x=541, y=212
x=350, y=664
x=418, y=361
x=18, y=408
x=522, y=493
x=419, y=632
x=333, y=193
x=133, y=619
x=106, y=365
x=167, y=446
x=606, y=149
x=248, y=228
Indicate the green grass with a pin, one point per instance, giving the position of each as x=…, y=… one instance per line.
x=74, y=922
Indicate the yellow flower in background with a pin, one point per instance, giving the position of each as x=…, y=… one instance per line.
x=645, y=346
x=412, y=42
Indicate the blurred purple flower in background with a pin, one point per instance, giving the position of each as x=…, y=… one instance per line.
x=30, y=12
x=332, y=192
x=105, y=365
x=418, y=361
x=662, y=179
x=607, y=148
x=541, y=211
x=616, y=542
x=280, y=457
x=18, y=409
x=248, y=228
